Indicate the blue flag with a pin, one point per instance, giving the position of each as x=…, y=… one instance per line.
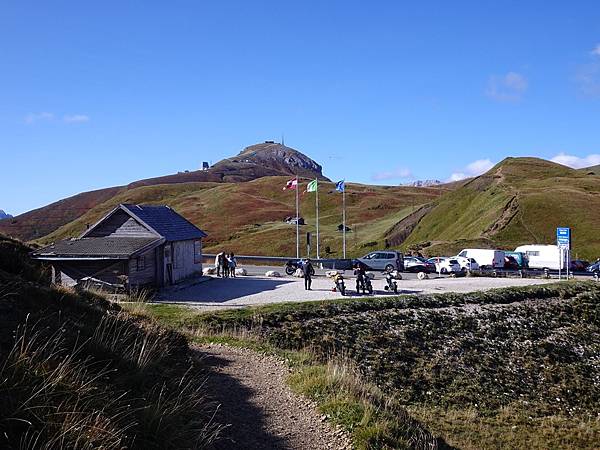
x=340, y=186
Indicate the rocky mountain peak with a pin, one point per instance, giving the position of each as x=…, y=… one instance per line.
x=279, y=157
x=4, y=215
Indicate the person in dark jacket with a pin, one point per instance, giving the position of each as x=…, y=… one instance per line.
x=360, y=271
x=308, y=270
x=225, y=266
x=219, y=262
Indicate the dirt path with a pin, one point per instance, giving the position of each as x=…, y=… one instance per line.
x=262, y=410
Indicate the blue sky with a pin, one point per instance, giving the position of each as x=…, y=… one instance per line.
x=95, y=94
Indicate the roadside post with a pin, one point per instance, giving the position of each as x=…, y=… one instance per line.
x=563, y=240
x=308, y=245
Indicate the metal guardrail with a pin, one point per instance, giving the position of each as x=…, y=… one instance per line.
x=329, y=263
x=253, y=257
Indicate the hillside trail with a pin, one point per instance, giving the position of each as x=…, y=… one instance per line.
x=261, y=410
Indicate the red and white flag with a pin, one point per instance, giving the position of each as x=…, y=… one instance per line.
x=291, y=184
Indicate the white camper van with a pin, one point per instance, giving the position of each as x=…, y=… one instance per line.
x=544, y=256
x=487, y=259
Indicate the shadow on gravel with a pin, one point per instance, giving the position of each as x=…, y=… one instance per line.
x=220, y=290
x=246, y=423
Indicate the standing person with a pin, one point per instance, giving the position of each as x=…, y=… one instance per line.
x=361, y=273
x=308, y=270
x=232, y=264
x=219, y=262
x=225, y=267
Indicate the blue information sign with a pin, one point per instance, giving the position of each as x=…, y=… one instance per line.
x=563, y=237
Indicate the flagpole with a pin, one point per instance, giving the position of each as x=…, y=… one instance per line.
x=317, y=205
x=297, y=220
x=344, y=218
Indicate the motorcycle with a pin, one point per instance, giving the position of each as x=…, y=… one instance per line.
x=294, y=264
x=391, y=285
x=339, y=284
x=363, y=282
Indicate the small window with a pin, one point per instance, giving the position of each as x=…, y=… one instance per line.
x=463, y=254
x=140, y=263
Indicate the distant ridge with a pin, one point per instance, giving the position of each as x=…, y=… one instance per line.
x=423, y=183
x=593, y=169
x=266, y=159
x=4, y=215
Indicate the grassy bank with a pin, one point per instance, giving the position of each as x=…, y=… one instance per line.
x=78, y=372
x=505, y=368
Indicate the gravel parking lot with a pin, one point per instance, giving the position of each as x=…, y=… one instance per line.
x=256, y=289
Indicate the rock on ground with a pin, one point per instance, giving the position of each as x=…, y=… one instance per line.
x=273, y=274
x=262, y=411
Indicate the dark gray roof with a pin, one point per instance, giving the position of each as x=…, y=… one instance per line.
x=96, y=247
x=165, y=222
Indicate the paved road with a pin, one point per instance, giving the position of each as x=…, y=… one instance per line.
x=256, y=289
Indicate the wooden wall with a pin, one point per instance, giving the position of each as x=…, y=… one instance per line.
x=147, y=275
x=120, y=224
x=183, y=261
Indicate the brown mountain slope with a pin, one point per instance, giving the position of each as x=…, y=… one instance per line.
x=256, y=161
x=42, y=221
x=248, y=217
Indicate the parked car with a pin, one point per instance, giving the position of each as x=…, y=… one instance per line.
x=579, y=265
x=428, y=265
x=466, y=263
x=416, y=264
x=510, y=263
x=594, y=268
x=387, y=260
x=445, y=265
x=520, y=258
x=293, y=220
x=544, y=256
x=492, y=259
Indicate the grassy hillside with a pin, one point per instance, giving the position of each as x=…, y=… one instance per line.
x=519, y=201
x=77, y=372
x=260, y=160
x=592, y=169
x=508, y=368
x=39, y=222
x=248, y=217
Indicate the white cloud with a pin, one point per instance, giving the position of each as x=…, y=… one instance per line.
x=480, y=166
x=76, y=118
x=32, y=118
x=507, y=88
x=596, y=51
x=36, y=117
x=457, y=176
x=576, y=162
x=396, y=174
x=472, y=170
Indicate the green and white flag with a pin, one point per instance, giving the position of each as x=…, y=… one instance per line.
x=312, y=186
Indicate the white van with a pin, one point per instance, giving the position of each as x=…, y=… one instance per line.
x=544, y=256
x=487, y=259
